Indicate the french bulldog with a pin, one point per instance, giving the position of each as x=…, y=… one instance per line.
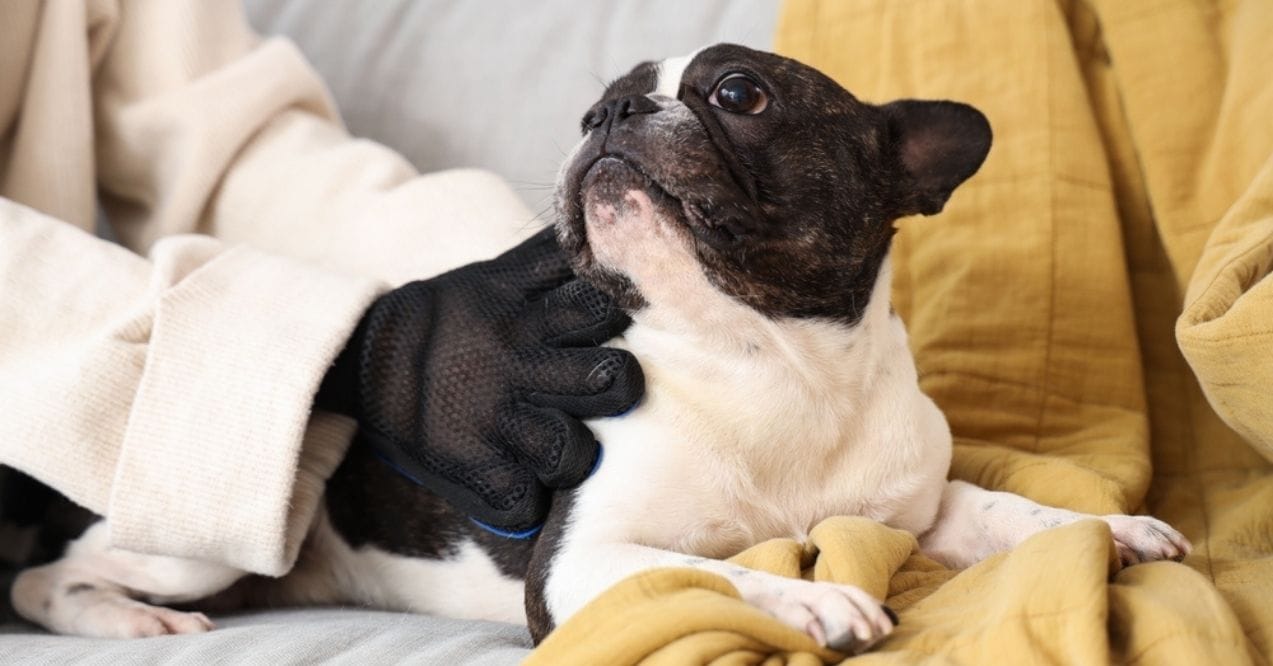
x=740, y=206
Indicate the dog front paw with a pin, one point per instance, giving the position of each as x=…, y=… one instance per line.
x=140, y=620
x=1146, y=539
x=104, y=612
x=841, y=617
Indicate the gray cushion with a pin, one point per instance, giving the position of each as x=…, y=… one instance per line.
x=497, y=84
x=280, y=637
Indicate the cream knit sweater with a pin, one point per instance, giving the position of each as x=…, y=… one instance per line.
x=168, y=383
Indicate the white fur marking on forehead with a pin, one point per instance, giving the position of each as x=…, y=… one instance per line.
x=670, y=73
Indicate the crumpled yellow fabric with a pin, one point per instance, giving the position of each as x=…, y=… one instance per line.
x=1094, y=313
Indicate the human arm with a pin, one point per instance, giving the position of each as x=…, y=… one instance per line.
x=173, y=392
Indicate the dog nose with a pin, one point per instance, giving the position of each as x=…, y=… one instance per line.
x=617, y=110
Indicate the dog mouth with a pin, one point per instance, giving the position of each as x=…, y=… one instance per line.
x=611, y=178
x=618, y=172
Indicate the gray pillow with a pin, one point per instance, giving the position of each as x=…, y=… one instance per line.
x=497, y=84
x=284, y=637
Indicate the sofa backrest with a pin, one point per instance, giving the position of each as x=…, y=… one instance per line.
x=497, y=84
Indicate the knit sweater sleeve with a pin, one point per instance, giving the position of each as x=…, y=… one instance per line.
x=172, y=393
x=203, y=126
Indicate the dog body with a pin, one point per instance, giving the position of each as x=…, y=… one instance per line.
x=757, y=433
x=740, y=206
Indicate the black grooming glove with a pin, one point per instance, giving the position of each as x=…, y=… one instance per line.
x=473, y=382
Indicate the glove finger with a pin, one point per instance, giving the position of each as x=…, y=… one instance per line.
x=537, y=264
x=586, y=382
x=558, y=449
x=487, y=484
x=577, y=314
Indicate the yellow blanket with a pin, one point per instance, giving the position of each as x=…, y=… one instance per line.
x=1124, y=216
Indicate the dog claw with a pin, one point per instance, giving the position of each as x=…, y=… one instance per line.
x=892, y=615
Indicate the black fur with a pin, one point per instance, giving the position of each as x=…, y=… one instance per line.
x=41, y=522
x=538, y=619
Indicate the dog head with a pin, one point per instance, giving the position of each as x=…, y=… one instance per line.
x=773, y=182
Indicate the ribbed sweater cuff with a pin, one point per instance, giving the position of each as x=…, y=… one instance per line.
x=222, y=458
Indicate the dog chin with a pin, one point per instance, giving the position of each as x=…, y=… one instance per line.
x=623, y=208
x=626, y=229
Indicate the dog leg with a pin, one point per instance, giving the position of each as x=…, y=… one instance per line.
x=842, y=617
x=974, y=523
x=95, y=590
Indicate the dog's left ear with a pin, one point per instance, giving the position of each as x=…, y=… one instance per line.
x=940, y=145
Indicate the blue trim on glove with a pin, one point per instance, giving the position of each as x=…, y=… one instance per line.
x=526, y=534
x=521, y=535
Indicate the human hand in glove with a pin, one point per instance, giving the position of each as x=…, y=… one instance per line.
x=473, y=382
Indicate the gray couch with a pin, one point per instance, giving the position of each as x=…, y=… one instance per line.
x=497, y=84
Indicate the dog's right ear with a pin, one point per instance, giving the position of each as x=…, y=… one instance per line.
x=939, y=145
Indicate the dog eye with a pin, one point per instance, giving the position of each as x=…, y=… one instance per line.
x=738, y=94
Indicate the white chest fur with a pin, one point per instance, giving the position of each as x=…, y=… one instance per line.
x=762, y=429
